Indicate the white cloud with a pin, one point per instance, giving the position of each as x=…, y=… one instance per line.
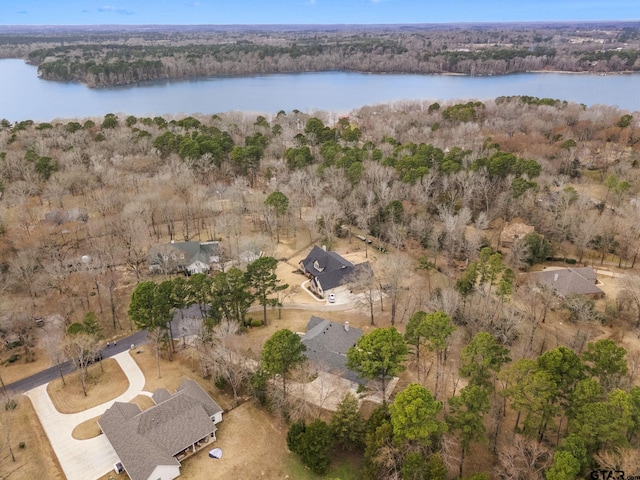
x=110, y=9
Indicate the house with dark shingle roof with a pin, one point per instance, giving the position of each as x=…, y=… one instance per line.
x=150, y=443
x=566, y=282
x=188, y=257
x=328, y=270
x=327, y=345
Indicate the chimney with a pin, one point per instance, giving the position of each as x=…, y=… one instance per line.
x=555, y=277
x=346, y=326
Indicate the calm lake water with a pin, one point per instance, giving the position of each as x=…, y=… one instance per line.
x=24, y=96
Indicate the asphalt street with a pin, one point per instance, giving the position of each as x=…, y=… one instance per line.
x=67, y=367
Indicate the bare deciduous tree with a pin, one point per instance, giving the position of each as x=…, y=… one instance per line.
x=24, y=268
x=522, y=458
x=630, y=289
x=395, y=272
x=328, y=212
x=223, y=358
x=82, y=349
x=365, y=287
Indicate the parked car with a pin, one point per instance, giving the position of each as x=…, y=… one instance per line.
x=332, y=298
x=96, y=358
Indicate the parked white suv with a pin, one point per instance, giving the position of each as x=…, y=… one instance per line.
x=332, y=298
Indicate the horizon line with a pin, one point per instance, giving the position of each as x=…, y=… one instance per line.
x=343, y=24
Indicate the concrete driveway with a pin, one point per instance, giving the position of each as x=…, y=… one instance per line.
x=84, y=459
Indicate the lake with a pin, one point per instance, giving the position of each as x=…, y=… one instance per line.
x=24, y=96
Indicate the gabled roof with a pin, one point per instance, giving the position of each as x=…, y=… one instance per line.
x=160, y=395
x=327, y=345
x=185, y=253
x=198, y=251
x=146, y=439
x=188, y=321
x=569, y=281
x=194, y=390
x=175, y=424
x=329, y=268
x=326, y=261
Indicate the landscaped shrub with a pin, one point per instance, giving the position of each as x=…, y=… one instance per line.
x=220, y=382
x=294, y=436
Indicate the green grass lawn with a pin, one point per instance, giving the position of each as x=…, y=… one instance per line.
x=343, y=467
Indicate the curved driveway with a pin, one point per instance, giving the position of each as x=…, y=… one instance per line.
x=93, y=458
x=84, y=459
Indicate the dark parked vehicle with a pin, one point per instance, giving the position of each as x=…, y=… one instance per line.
x=96, y=358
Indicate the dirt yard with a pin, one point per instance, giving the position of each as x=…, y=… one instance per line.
x=244, y=426
x=11, y=372
x=36, y=459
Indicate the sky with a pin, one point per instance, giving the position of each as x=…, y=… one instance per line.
x=225, y=12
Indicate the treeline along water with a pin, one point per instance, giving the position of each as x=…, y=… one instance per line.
x=23, y=96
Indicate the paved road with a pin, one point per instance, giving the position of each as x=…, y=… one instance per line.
x=67, y=367
x=138, y=338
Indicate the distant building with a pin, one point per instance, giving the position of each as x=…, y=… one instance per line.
x=566, y=282
x=187, y=257
x=151, y=443
x=70, y=215
x=514, y=231
x=328, y=270
x=187, y=322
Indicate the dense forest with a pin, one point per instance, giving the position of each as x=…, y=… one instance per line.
x=83, y=201
x=103, y=58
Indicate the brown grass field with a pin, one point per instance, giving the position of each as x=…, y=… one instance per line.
x=102, y=386
x=87, y=429
x=36, y=459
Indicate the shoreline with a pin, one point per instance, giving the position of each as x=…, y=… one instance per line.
x=265, y=74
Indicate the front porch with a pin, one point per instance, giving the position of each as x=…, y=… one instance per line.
x=196, y=447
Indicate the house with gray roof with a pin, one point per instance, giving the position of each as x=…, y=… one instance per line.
x=187, y=257
x=566, y=282
x=151, y=443
x=188, y=321
x=327, y=345
x=328, y=270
